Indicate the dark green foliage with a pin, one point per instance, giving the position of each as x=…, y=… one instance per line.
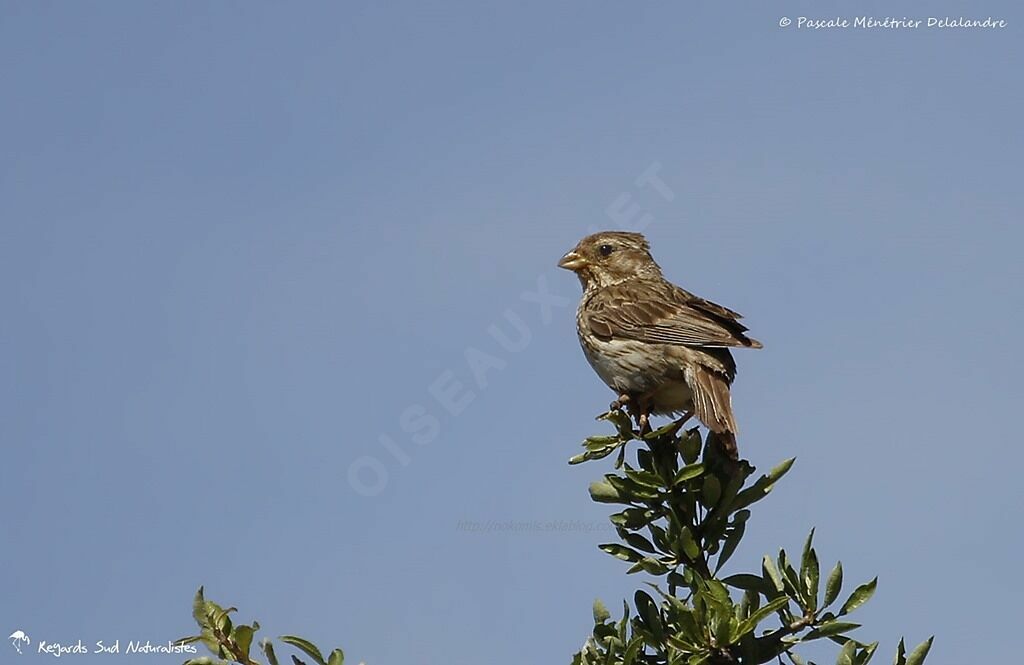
x=232, y=644
x=683, y=508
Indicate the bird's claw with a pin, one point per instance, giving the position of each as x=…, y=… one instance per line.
x=619, y=403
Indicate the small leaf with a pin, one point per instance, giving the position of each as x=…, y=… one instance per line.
x=648, y=612
x=690, y=547
x=639, y=542
x=242, y=636
x=859, y=596
x=337, y=657
x=645, y=478
x=919, y=653
x=268, y=649
x=601, y=613
x=630, y=489
x=901, y=654
x=732, y=540
x=304, y=645
x=810, y=574
x=649, y=565
x=597, y=442
x=603, y=492
x=687, y=472
x=834, y=584
x=847, y=653
x=806, y=554
x=779, y=471
x=830, y=628
x=750, y=624
x=711, y=491
x=771, y=572
x=621, y=552
x=690, y=445
x=199, y=608
x=635, y=645
x=746, y=581
x=865, y=654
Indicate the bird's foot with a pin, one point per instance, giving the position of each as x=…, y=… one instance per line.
x=619, y=403
x=644, y=422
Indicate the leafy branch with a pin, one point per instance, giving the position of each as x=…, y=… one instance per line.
x=231, y=643
x=685, y=506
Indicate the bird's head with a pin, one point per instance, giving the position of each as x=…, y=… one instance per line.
x=610, y=257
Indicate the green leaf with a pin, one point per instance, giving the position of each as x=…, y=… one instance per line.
x=732, y=540
x=199, y=608
x=649, y=565
x=648, y=612
x=762, y=486
x=670, y=428
x=182, y=641
x=859, y=596
x=771, y=572
x=337, y=657
x=597, y=442
x=833, y=584
x=635, y=645
x=747, y=582
x=719, y=593
x=242, y=635
x=690, y=445
x=711, y=491
x=304, y=645
x=830, y=628
x=603, y=492
x=749, y=624
x=687, y=472
x=645, y=478
x=901, y=654
x=810, y=574
x=689, y=545
x=661, y=539
x=601, y=613
x=630, y=489
x=804, y=557
x=208, y=639
x=268, y=649
x=919, y=653
x=865, y=654
x=639, y=542
x=847, y=653
x=782, y=469
x=790, y=580
x=621, y=552
x=627, y=519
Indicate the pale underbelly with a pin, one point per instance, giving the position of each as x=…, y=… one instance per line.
x=638, y=369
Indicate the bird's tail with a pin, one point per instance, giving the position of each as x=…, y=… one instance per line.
x=712, y=404
x=726, y=442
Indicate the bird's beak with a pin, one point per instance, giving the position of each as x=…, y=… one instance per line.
x=572, y=261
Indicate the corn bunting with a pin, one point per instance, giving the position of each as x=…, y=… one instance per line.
x=663, y=350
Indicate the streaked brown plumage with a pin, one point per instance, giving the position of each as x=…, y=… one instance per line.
x=660, y=348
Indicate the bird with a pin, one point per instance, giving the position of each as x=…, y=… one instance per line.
x=662, y=349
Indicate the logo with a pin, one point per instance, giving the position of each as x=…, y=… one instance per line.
x=18, y=638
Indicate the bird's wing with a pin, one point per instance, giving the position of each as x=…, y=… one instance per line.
x=662, y=313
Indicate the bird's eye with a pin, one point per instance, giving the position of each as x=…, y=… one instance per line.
x=605, y=250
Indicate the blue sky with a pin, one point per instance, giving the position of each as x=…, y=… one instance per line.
x=239, y=242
